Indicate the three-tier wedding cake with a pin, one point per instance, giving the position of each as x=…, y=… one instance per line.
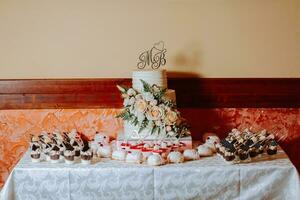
x=150, y=111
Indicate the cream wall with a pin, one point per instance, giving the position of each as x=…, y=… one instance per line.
x=98, y=38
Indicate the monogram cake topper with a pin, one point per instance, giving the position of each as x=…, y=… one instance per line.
x=155, y=57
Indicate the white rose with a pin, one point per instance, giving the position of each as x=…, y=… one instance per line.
x=131, y=101
x=150, y=124
x=171, y=133
x=140, y=105
x=138, y=97
x=153, y=102
x=140, y=117
x=171, y=117
x=131, y=92
x=157, y=122
x=148, y=96
x=168, y=128
x=155, y=113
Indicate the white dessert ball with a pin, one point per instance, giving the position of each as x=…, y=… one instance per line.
x=134, y=157
x=119, y=155
x=190, y=154
x=101, y=137
x=212, y=139
x=155, y=160
x=204, y=150
x=175, y=157
x=104, y=151
x=211, y=145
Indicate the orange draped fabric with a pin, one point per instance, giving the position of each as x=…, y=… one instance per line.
x=17, y=125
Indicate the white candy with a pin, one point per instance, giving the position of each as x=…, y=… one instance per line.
x=155, y=160
x=134, y=157
x=204, y=150
x=119, y=155
x=175, y=157
x=190, y=154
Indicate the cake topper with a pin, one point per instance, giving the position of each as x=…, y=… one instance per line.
x=155, y=57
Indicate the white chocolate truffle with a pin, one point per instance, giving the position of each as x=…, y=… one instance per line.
x=190, y=154
x=134, y=157
x=204, y=150
x=175, y=157
x=155, y=160
x=119, y=155
x=104, y=151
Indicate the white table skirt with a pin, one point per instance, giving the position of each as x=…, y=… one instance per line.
x=207, y=178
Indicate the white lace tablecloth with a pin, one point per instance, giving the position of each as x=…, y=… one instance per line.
x=208, y=178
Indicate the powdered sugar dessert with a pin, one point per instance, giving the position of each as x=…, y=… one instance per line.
x=134, y=157
x=205, y=150
x=119, y=155
x=175, y=157
x=190, y=154
x=155, y=160
x=104, y=151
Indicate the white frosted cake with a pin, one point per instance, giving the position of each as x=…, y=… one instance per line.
x=152, y=77
x=150, y=109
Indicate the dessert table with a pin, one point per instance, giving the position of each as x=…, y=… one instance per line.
x=208, y=178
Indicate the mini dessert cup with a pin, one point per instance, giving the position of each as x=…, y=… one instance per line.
x=272, y=150
x=229, y=156
x=244, y=156
x=54, y=156
x=69, y=157
x=253, y=152
x=47, y=155
x=86, y=157
x=77, y=152
x=35, y=156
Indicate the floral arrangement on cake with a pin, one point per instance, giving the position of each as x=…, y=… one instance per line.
x=151, y=109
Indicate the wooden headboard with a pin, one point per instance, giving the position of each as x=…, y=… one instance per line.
x=190, y=92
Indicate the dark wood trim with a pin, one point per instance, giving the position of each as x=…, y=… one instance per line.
x=190, y=92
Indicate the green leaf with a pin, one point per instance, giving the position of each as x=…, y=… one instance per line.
x=141, y=129
x=122, y=114
x=154, y=129
x=146, y=86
